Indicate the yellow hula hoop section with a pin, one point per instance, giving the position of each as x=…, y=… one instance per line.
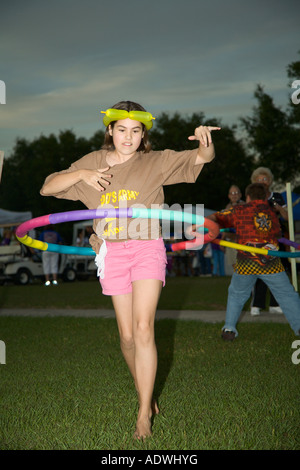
x=36, y=244
x=251, y=249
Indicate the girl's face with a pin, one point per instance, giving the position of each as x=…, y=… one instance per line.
x=127, y=135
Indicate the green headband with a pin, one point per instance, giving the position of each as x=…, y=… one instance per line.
x=119, y=114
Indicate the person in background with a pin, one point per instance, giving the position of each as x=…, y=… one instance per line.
x=264, y=176
x=218, y=254
x=204, y=256
x=7, y=236
x=257, y=226
x=235, y=197
x=49, y=258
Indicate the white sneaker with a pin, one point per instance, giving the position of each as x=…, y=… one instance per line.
x=55, y=283
x=275, y=310
x=47, y=283
x=255, y=311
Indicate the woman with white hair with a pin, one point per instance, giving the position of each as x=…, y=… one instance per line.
x=264, y=175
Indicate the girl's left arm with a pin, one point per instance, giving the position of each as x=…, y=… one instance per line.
x=206, y=151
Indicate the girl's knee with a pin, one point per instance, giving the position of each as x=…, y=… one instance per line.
x=126, y=341
x=143, y=332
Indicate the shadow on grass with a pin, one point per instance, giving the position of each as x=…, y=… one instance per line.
x=165, y=331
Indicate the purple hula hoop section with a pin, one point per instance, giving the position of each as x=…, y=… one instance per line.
x=72, y=216
x=285, y=241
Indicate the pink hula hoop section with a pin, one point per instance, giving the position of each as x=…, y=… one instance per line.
x=200, y=239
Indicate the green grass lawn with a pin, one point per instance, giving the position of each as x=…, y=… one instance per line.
x=180, y=293
x=189, y=293
x=65, y=384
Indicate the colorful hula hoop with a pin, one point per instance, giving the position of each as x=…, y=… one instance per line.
x=24, y=228
x=207, y=238
x=262, y=251
x=211, y=228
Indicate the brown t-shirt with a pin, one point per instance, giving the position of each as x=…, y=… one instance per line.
x=137, y=182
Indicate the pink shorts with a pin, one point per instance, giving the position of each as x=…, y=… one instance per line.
x=130, y=261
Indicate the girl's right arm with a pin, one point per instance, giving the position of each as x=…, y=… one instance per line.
x=63, y=181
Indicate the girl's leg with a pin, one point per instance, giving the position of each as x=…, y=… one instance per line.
x=135, y=313
x=146, y=294
x=123, y=309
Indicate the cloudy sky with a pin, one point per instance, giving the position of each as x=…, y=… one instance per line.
x=65, y=61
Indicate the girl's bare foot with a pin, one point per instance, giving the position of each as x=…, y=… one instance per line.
x=143, y=428
x=143, y=425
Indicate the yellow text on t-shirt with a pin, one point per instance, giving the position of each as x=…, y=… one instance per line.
x=121, y=195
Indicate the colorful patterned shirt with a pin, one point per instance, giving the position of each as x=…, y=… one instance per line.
x=257, y=225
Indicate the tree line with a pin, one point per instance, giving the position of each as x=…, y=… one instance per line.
x=271, y=138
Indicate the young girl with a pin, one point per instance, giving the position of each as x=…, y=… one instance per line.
x=132, y=264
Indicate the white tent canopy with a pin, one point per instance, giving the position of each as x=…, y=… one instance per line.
x=11, y=218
